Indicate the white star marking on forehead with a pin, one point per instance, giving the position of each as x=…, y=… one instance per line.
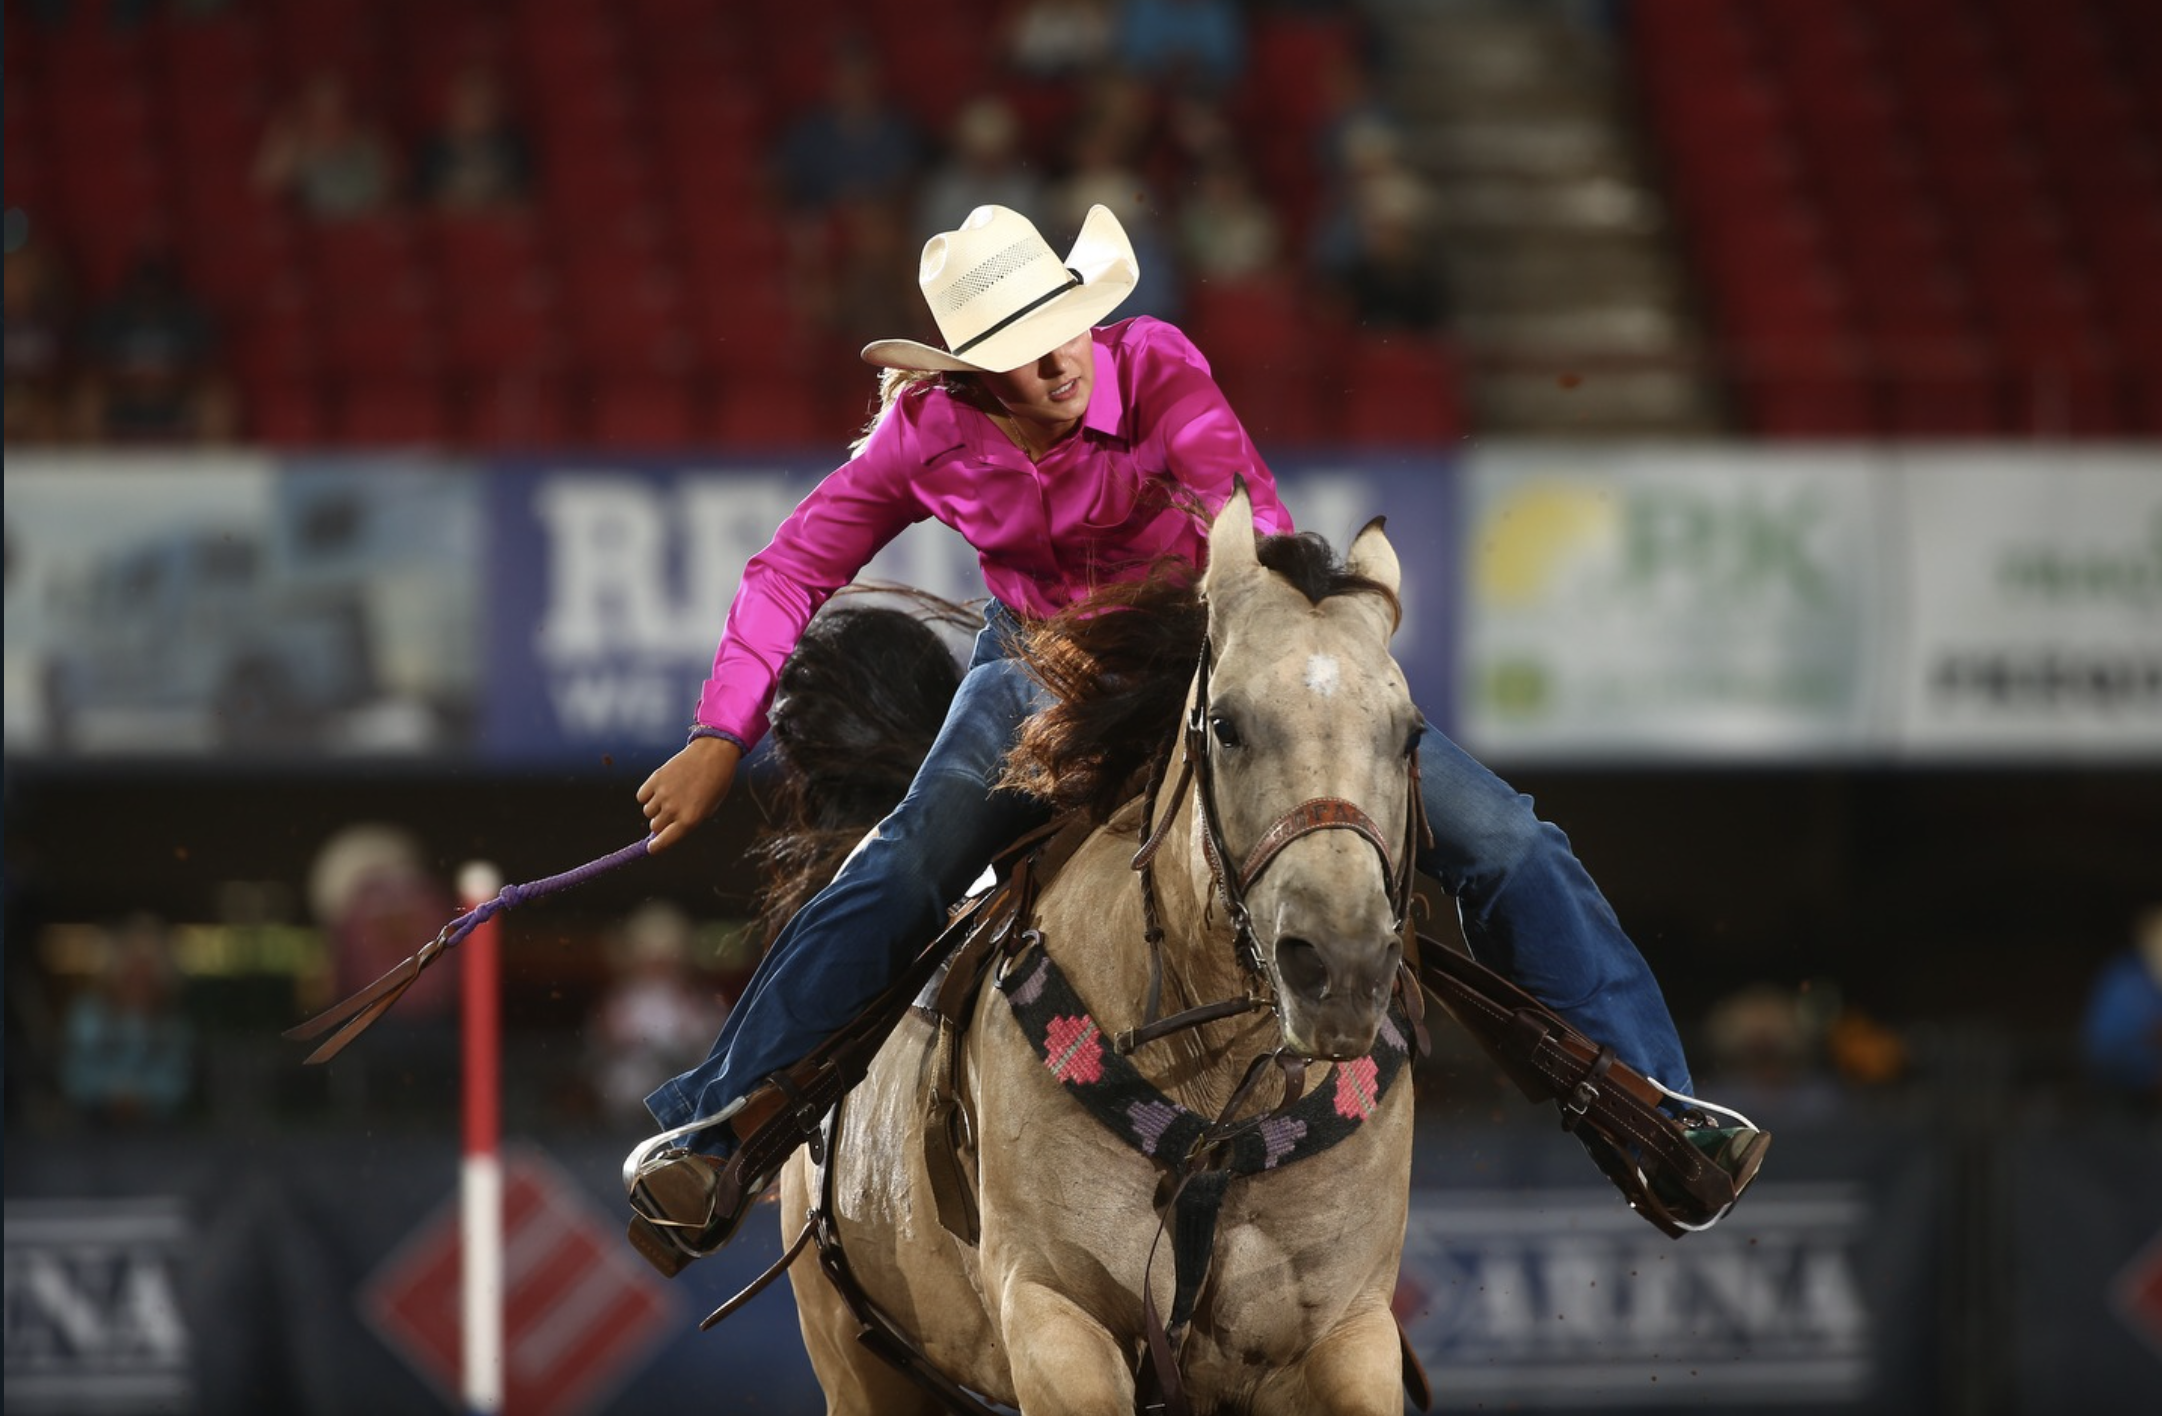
x=1323, y=675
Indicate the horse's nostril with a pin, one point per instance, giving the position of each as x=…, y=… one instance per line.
x=1302, y=968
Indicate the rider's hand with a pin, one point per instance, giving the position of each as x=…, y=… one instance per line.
x=688, y=788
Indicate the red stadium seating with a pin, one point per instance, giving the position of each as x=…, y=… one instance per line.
x=1909, y=217
x=391, y=335
x=1965, y=162
x=504, y=412
x=506, y=329
x=643, y=414
x=626, y=322
x=755, y=409
x=653, y=252
x=1827, y=406
x=373, y=412
x=362, y=261
x=1402, y=390
x=284, y=412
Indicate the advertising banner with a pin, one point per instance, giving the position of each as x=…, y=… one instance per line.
x=2034, y=603
x=94, y=1320
x=1607, y=605
x=1671, y=602
x=1527, y=1285
x=317, y=1274
x=192, y=605
x=608, y=583
x=187, y=1276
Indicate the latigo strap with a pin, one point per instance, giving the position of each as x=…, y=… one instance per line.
x=1633, y=1141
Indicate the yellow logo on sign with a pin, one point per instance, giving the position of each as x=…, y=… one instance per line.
x=1529, y=535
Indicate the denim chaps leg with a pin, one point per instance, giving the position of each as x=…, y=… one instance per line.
x=1531, y=912
x=888, y=900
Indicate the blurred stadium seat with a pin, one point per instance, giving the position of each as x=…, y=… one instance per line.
x=1911, y=218
x=1967, y=163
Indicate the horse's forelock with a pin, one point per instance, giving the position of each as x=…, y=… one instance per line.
x=1313, y=569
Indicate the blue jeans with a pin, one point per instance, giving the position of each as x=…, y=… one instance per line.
x=1529, y=909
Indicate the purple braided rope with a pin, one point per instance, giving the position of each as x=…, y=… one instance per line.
x=513, y=895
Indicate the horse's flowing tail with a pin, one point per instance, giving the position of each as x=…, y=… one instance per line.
x=858, y=705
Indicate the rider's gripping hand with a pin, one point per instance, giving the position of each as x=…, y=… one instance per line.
x=688, y=788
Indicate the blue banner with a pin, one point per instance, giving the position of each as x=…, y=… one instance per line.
x=607, y=584
x=1527, y=1284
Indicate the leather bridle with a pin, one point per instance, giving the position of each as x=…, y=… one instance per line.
x=1326, y=813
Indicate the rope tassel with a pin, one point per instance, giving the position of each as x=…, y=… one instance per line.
x=359, y=1011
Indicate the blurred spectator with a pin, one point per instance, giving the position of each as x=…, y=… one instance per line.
x=658, y=1016
x=1351, y=118
x=1120, y=110
x=863, y=284
x=1390, y=279
x=150, y=363
x=1864, y=1051
x=853, y=144
x=324, y=156
x=1193, y=132
x=2120, y=1033
x=370, y=888
x=478, y=159
x=130, y=1050
x=1226, y=231
x=38, y=318
x=1369, y=154
x=1183, y=44
x=1099, y=172
x=982, y=167
x=1059, y=39
x=1766, y=1052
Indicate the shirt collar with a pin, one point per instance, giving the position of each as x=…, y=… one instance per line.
x=1107, y=405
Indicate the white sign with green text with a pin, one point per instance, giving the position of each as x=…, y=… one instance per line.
x=1654, y=602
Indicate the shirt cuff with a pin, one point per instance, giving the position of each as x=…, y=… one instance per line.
x=707, y=730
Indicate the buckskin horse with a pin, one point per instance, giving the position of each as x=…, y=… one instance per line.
x=1163, y=1154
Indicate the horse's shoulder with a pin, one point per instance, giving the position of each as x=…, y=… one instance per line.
x=1117, y=835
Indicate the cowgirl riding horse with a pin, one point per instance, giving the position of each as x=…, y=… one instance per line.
x=1069, y=455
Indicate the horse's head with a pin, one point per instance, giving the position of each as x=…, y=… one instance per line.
x=1309, y=734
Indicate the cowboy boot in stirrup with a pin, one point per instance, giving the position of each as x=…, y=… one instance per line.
x=1736, y=1150
x=686, y=1206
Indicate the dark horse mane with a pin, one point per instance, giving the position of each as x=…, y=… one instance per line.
x=866, y=690
x=856, y=708
x=1118, y=665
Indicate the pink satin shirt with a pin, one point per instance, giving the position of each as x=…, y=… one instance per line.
x=1154, y=457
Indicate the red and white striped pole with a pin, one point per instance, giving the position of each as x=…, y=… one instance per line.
x=480, y=1175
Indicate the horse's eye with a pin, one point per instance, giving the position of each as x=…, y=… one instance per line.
x=1227, y=732
x=1418, y=731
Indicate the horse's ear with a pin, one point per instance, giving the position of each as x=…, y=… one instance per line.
x=1231, y=543
x=1373, y=557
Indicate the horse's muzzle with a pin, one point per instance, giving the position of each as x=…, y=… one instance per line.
x=1334, y=996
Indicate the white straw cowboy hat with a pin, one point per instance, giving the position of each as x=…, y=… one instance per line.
x=1003, y=298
